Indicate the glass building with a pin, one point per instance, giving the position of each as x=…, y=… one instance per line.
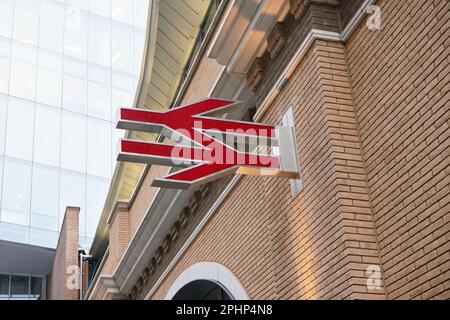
x=65, y=68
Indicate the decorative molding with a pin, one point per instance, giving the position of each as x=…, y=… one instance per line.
x=314, y=34
x=276, y=40
x=241, y=35
x=106, y=289
x=255, y=74
x=178, y=227
x=253, y=42
x=161, y=218
x=119, y=206
x=230, y=29
x=298, y=7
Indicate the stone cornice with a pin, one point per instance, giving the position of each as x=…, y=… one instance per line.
x=106, y=289
x=285, y=37
x=119, y=206
x=241, y=35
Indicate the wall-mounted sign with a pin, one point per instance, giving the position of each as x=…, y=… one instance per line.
x=207, y=146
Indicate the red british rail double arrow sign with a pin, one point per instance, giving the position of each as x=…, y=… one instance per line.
x=204, y=146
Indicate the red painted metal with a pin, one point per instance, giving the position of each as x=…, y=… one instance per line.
x=213, y=157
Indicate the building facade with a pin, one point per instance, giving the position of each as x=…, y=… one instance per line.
x=62, y=76
x=65, y=67
x=368, y=86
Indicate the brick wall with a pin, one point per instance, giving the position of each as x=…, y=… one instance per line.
x=144, y=197
x=193, y=219
x=319, y=244
x=372, y=133
x=207, y=72
x=119, y=235
x=401, y=77
x=66, y=255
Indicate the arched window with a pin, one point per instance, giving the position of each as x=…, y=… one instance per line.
x=207, y=281
x=202, y=290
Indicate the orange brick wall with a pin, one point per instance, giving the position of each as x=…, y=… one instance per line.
x=401, y=77
x=372, y=121
x=314, y=246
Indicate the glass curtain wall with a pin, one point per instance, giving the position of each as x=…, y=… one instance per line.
x=22, y=287
x=65, y=69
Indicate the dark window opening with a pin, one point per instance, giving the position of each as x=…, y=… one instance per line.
x=202, y=290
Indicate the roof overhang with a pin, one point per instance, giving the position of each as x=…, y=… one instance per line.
x=241, y=35
x=25, y=259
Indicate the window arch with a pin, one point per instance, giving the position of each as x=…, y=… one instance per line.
x=205, y=280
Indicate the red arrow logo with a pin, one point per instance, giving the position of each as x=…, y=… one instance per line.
x=211, y=157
